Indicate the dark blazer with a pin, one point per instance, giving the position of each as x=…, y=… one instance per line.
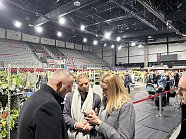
x=182, y=134
x=67, y=110
x=41, y=116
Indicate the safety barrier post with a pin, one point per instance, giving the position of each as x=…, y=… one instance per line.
x=160, y=107
x=9, y=99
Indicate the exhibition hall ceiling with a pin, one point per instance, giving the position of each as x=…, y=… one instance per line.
x=107, y=21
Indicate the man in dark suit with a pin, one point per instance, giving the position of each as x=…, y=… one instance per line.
x=182, y=92
x=42, y=114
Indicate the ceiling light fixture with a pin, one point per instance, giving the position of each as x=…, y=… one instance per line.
x=77, y=3
x=95, y=42
x=118, y=39
x=107, y=35
x=82, y=27
x=119, y=48
x=61, y=20
x=140, y=45
x=112, y=46
x=39, y=29
x=133, y=44
x=85, y=40
x=17, y=24
x=105, y=44
x=59, y=34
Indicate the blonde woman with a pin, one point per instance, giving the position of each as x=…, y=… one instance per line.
x=116, y=119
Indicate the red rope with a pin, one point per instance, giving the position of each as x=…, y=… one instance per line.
x=153, y=96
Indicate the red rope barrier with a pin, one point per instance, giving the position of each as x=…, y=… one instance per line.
x=153, y=96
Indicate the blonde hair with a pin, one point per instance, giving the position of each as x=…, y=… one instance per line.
x=117, y=95
x=80, y=76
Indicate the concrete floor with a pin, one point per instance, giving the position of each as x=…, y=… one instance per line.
x=148, y=124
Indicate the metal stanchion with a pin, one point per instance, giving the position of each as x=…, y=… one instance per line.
x=160, y=107
x=9, y=101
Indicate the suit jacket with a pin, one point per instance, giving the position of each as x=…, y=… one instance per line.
x=182, y=134
x=41, y=116
x=67, y=110
x=120, y=124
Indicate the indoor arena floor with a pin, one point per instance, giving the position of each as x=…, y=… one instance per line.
x=148, y=124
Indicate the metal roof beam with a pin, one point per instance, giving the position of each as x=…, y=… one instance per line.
x=134, y=14
x=61, y=11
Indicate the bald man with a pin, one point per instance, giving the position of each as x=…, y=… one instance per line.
x=42, y=115
x=182, y=92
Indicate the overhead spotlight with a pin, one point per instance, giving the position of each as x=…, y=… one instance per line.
x=119, y=48
x=133, y=44
x=107, y=35
x=96, y=35
x=17, y=24
x=112, y=46
x=61, y=20
x=105, y=44
x=77, y=3
x=118, y=39
x=140, y=45
x=38, y=29
x=59, y=34
x=82, y=27
x=95, y=42
x=84, y=39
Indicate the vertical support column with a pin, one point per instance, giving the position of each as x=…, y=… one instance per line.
x=128, y=54
x=167, y=45
x=35, y=77
x=115, y=56
x=102, y=53
x=146, y=56
x=9, y=100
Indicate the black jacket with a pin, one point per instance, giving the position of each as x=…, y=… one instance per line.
x=41, y=116
x=182, y=134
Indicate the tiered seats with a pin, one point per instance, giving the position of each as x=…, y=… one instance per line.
x=38, y=50
x=15, y=52
x=82, y=58
x=55, y=51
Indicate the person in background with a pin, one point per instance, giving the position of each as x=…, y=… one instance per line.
x=116, y=119
x=41, y=116
x=83, y=99
x=166, y=83
x=128, y=81
x=182, y=92
x=176, y=78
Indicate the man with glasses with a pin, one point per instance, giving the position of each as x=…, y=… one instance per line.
x=182, y=92
x=42, y=114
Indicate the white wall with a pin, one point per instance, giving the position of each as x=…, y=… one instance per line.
x=153, y=50
x=13, y=35
x=122, y=55
x=108, y=55
x=179, y=49
x=69, y=45
x=78, y=47
x=85, y=48
x=2, y=33
x=47, y=41
x=30, y=38
x=136, y=55
x=60, y=43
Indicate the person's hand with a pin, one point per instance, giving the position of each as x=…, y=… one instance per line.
x=93, y=119
x=80, y=125
x=87, y=127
